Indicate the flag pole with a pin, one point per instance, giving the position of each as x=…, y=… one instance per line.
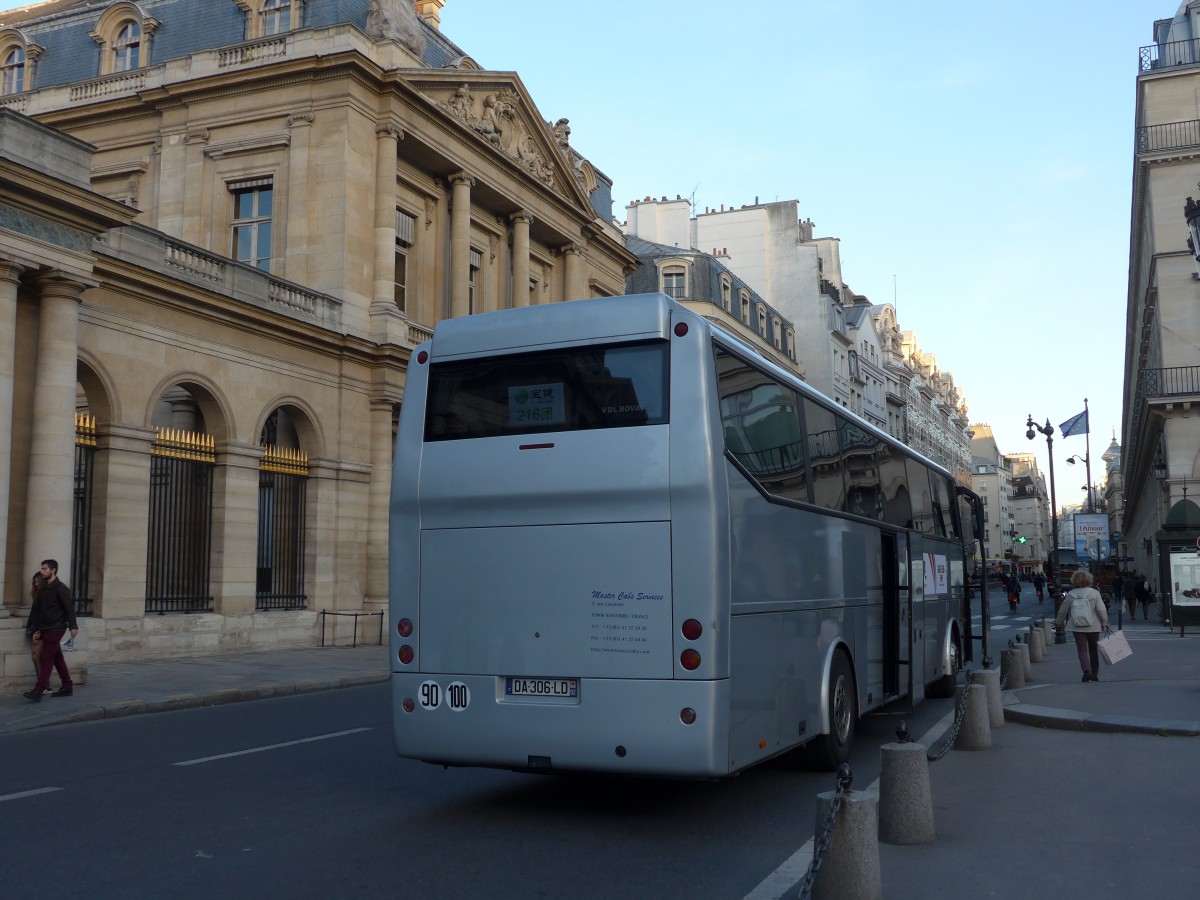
x=1087, y=454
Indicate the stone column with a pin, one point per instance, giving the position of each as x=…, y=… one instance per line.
x=573, y=272
x=379, y=503
x=387, y=137
x=10, y=276
x=50, y=510
x=300, y=203
x=520, y=258
x=235, y=531
x=460, y=242
x=120, y=517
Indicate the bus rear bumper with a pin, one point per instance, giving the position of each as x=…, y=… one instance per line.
x=626, y=726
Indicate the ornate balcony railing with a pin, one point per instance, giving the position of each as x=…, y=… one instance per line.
x=1171, y=55
x=1176, y=381
x=1168, y=136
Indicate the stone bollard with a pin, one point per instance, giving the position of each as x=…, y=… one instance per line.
x=905, y=800
x=1023, y=650
x=850, y=865
x=1016, y=671
x=975, y=733
x=1036, y=645
x=1047, y=632
x=990, y=679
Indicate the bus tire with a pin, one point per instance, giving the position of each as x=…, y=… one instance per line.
x=944, y=686
x=828, y=751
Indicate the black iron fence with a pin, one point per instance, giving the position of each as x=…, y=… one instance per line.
x=180, y=538
x=282, y=481
x=81, y=532
x=1168, y=136
x=1169, y=55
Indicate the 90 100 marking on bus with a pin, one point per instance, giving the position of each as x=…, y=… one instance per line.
x=707, y=564
x=457, y=695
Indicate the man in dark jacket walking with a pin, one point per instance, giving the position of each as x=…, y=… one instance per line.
x=53, y=613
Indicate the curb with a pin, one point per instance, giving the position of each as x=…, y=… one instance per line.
x=1074, y=720
x=132, y=707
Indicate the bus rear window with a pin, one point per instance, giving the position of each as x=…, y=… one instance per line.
x=575, y=389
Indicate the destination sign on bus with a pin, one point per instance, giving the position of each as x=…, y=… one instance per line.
x=536, y=404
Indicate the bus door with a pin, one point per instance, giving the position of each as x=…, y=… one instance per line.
x=914, y=567
x=897, y=617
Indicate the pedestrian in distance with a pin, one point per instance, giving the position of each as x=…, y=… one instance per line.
x=35, y=590
x=52, y=614
x=1085, y=616
x=1039, y=584
x=1014, y=592
x=1133, y=581
x=1118, y=588
x=1145, y=596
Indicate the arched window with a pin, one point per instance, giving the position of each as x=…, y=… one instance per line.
x=14, y=71
x=276, y=17
x=124, y=34
x=267, y=18
x=127, y=47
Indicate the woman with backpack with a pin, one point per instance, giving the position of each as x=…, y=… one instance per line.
x=1084, y=614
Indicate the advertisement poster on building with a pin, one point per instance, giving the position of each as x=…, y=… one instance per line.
x=1091, y=536
x=1185, y=578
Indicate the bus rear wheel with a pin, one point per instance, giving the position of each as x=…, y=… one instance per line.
x=829, y=751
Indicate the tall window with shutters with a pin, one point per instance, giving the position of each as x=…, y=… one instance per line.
x=405, y=234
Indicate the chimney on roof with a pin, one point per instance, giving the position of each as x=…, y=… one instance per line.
x=431, y=12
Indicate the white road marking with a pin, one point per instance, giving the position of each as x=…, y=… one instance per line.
x=308, y=740
x=33, y=793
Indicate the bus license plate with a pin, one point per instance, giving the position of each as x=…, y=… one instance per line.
x=541, y=687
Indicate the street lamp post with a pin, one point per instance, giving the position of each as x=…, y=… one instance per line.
x=1048, y=431
x=1087, y=463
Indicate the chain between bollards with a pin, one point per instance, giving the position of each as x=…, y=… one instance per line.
x=844, y=779
x=959, y=715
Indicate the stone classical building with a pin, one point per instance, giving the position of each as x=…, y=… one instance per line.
x=1160, y=430
x=225, y=225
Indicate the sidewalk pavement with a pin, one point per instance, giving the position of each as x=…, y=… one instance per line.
x=159, y=685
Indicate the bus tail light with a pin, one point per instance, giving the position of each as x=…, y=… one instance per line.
x=409, y=705
x=406, y=654
x=404, y=628
x=689, y=659
x=692, y=629
x=687, y=715
x=681, y=329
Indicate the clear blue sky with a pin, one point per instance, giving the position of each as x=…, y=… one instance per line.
x=978, y=157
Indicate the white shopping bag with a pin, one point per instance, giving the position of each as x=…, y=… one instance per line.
x=1114, y=647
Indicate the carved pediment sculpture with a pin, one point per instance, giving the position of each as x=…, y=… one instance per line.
x=396, y=20
x=495, y=116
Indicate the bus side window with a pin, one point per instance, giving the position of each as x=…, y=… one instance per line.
x=893, y=476
x=760, y=419
x=824, y=456
x=864, y=494
x=922, y=502
x=943, y=521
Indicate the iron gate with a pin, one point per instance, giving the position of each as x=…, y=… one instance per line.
x=180, y=540
x=282, y=480
x=81, y=532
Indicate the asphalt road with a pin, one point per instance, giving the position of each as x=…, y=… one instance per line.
x=303, y=797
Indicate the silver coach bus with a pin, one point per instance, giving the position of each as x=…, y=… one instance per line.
x=622, y=541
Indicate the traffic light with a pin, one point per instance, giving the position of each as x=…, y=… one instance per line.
x=1019, y=538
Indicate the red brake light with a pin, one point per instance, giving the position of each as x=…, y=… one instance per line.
x=406, y=654
x=422, y=358
x=409, y=705
x=690, y=660
x=692, y=629
x=687, y=715
x=681, y=329
x=404, y=627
